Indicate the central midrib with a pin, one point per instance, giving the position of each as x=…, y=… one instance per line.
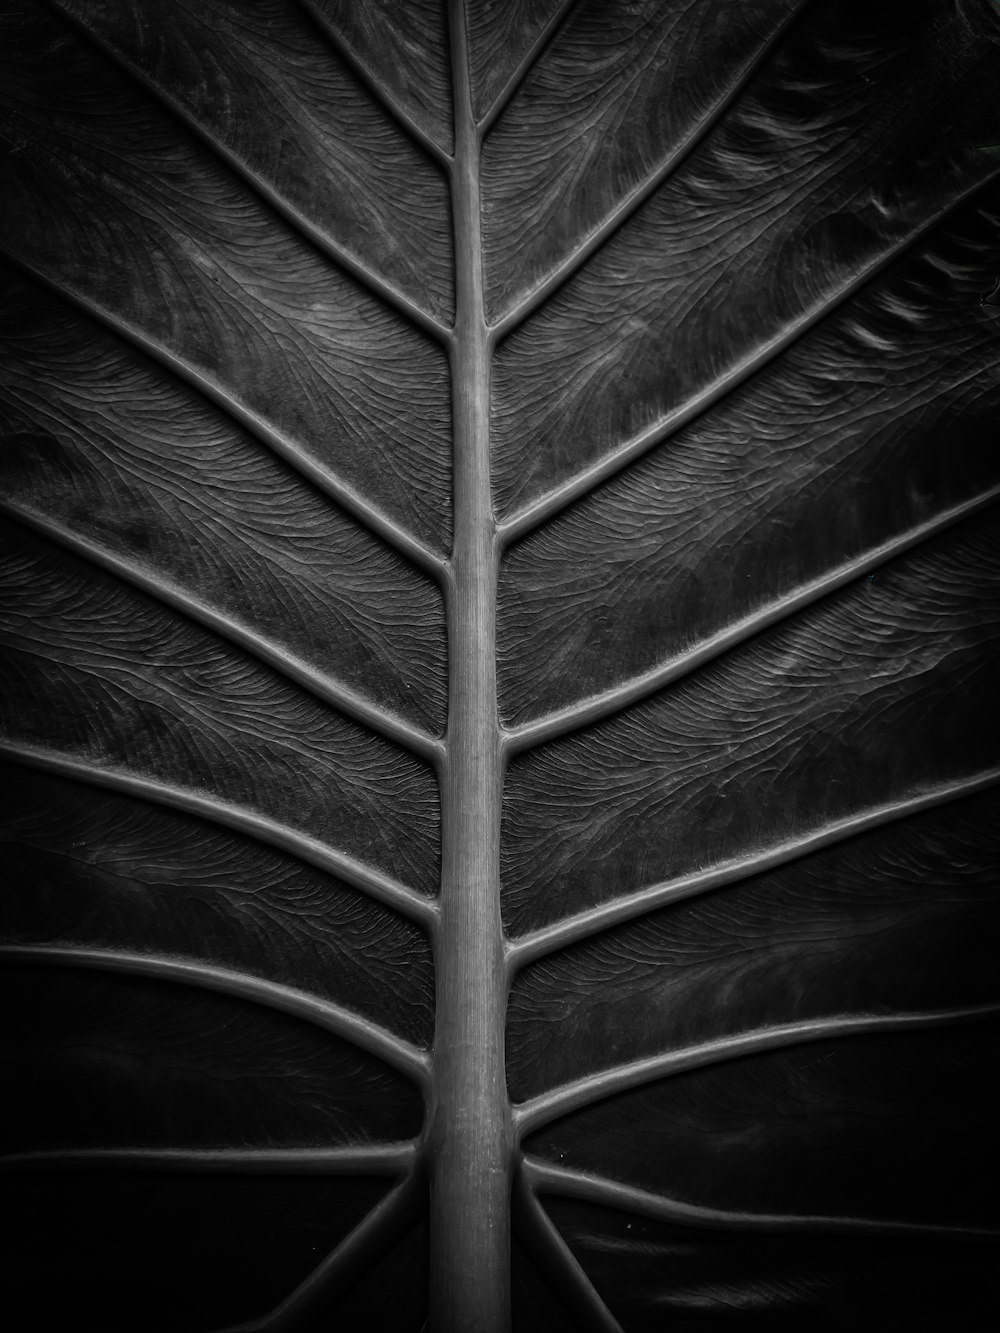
x=471, y=1140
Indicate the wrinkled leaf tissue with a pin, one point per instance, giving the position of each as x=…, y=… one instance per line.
x=500, y=637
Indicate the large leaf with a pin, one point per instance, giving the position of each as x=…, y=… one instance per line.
x=500, y=630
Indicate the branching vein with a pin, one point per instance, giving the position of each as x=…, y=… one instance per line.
x=568, y=1279
x=532, y=1115
x=554, y=501
x=383, y=1227
x=360, y=1031
x=331, y=692
x=635, y=199
x=375, y=89
x=315, y=236
x=574, y=929
x=525, y=65
x=600, y=706
x=381, y=887
x=611, y=1194
x=384, y=527
x=381, y=1159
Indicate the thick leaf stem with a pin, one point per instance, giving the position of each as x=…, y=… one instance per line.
x=471, y=1137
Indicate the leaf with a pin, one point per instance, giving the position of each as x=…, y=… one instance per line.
x=499, y=740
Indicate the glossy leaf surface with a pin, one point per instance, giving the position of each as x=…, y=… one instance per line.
x=500, y=635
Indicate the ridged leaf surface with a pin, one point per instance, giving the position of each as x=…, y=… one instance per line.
x=682, y=320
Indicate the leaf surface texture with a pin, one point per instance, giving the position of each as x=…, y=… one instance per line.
x=735, y=271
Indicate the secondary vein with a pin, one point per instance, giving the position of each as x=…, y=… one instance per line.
x=613, y=1194
x=359, y=1159
x=634, y=200
x=597, y=707
x=355, y=1028
x=363, y=74
x=279, y=658
x=531, y=1115
x=575, y=929
x=309, y=231
x=532, y=515
x=525, y=65
x=377, y=885
x=381, y=525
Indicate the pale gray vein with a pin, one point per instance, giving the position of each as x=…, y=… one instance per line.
x=385, y=528
x=381, y=1159
x=525, y=65
x=323, y=242
x=634, y=200
x=612, y=1194
x=331, y=692
x=375, y=89
x=381, y=887
x=384, y=1225
x=574, y=929
x=531, y=1115
x=359, y=1031
x=600, y=706
x=548, y=1248
x=557, y=499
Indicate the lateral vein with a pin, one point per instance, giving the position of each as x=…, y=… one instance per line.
x=561, y=1265
x=359, y=1159
x=613, y=1194
x=331, y=692
x=634, y=200
x=525, y=65
x=381, y=887
x=360, y=1031
x=575, y=488
x=309, y=231
x=575, y=929
x=538, y=1111
x=388, y=1222
x=600, y=706
x=381, y=525
x=374, y=88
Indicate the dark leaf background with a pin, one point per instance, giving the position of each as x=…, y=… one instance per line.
x=745, y=462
